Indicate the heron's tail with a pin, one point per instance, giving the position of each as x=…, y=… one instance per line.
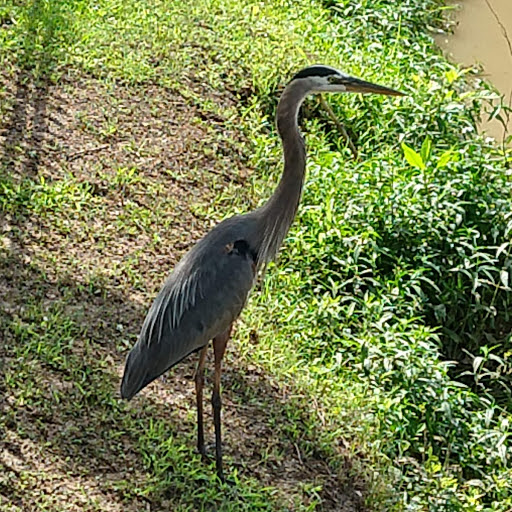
x=135, y=375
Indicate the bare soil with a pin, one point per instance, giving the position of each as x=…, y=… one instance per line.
x=100, y=265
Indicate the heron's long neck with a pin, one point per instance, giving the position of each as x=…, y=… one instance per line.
x=276, y=216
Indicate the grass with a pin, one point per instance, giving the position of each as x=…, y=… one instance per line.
x=372, y=366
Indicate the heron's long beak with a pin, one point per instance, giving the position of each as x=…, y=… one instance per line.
x=353, y=84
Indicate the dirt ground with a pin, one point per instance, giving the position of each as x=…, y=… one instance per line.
x=97, y=259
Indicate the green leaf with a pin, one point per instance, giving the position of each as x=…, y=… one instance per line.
x=444, y=159
x=504, y=278
x=451, y=75
x=412, y=157
x=426, y=148
x=502, y=248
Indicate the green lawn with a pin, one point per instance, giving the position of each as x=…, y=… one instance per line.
x=372, y=367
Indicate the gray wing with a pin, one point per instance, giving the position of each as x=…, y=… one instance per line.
x=201, y=299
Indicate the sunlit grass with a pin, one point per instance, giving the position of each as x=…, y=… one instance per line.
x=386, y=319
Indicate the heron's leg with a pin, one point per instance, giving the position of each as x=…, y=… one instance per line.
x=219, y=347
x=199, y=379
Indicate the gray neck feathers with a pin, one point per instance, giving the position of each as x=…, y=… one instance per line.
x=275, y=217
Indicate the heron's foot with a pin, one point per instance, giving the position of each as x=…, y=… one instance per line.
x=228, y=481
x=221, y=476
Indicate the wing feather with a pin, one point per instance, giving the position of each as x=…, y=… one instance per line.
x=202, y=297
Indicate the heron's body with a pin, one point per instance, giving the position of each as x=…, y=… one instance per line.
x=201, y=299
x=209, y=287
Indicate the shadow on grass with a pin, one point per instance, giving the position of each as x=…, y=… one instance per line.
x=38, y=44
x=64, y=421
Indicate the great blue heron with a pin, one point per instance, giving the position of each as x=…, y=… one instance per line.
x=208, y=288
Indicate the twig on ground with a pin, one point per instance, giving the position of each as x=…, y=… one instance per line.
x=340, y=127
x=298, y=454
x=72, y=156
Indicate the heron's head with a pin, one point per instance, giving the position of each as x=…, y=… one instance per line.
x=326, y=79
